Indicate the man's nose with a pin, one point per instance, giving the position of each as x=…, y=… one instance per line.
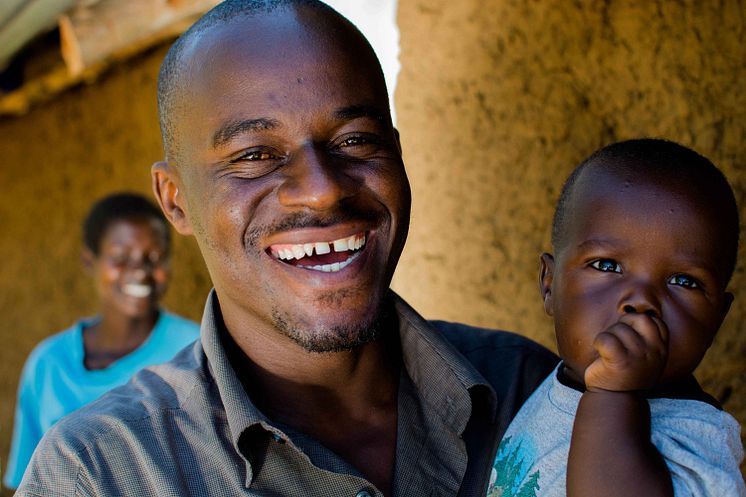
x=640, y=297
x=317, y=181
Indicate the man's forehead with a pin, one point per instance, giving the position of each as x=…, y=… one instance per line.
x=273, y=36
x=283, y=66
x=272, y=46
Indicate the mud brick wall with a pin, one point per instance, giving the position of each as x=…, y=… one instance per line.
x=497, y=101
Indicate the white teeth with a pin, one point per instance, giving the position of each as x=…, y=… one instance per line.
x=137, y=290
x=333, y=268
x=299, y=251
x=322, y=248
x=340, y=245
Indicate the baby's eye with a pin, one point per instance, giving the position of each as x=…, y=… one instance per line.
x=607, y=265
x=684, y=280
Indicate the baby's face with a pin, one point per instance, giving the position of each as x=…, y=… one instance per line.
x=635, y=246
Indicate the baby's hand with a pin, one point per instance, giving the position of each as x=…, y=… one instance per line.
x=632, y=354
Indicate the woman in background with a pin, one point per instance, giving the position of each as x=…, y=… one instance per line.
x=127, y=248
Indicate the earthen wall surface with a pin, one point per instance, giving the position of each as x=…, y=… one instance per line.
x=497, y=101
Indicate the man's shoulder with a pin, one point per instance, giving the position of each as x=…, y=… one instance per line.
x=483, y=343
x=155, y=417
x=507, y=360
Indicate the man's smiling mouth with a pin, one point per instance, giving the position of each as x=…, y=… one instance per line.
x=327, y=257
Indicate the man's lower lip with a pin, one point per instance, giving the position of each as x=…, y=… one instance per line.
x=334, y=267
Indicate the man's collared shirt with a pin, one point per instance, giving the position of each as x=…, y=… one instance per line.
x=188, y=427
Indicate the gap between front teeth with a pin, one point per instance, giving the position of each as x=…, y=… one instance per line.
x=334, y=267
x=299, y=251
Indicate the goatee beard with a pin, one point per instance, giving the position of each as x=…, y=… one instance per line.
x=339, y=338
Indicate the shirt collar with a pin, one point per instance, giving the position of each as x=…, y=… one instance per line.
x=240, y=411
x=444, y=379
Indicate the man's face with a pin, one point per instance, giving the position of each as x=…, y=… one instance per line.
x=634, y=246
x=291, y=180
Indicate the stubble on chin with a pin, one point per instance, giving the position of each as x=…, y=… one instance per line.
x=334, y=338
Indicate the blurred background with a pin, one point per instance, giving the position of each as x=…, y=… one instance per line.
x=496, y=101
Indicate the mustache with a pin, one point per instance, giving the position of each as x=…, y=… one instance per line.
x=298, y=220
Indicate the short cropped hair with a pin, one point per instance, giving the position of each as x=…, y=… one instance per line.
x=658, y=158
x=170, y=81
x=116, y=207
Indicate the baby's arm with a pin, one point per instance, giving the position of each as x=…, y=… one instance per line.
x=611, y=453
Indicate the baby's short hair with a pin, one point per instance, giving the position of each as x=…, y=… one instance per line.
x=661, y=159
x=116, y=207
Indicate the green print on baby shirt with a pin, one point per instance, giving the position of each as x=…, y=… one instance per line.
x=510, y=471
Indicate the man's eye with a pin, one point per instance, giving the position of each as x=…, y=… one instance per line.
x=684, y=280
x=254, y=163
x=354, y=140
x=361, y=146
x=607, y=265
x=254, y=155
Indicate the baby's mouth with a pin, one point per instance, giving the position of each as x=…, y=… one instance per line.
x=327, y=257
x=138, y=290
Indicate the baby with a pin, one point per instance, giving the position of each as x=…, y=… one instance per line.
x=645, y=239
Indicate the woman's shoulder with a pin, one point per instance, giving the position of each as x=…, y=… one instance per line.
x=56, y=350
x=178, y=327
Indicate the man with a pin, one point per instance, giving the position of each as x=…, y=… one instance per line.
x=311, y=377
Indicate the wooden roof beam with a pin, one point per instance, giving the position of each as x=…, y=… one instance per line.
x=115, y=29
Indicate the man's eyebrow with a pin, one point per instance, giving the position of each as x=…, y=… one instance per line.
x=356, y=111
x=231, y=129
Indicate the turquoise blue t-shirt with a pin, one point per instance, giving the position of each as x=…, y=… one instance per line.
x=55, y=382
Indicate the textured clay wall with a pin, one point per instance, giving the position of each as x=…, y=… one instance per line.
x=55, y=162
x=498, y=100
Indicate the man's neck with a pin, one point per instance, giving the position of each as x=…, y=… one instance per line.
x=346, y=400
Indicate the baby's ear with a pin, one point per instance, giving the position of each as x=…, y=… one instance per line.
x=546, y=276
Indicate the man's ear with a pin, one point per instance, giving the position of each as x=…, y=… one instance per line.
x=398, y=140
x=546, y=276
x=166, y=180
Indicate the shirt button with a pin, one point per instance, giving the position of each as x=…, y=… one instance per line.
x=363, y=493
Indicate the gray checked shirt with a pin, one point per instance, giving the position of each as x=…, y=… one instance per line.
x=188, y=427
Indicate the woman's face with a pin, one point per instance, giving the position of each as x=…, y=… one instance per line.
x=131, y=270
